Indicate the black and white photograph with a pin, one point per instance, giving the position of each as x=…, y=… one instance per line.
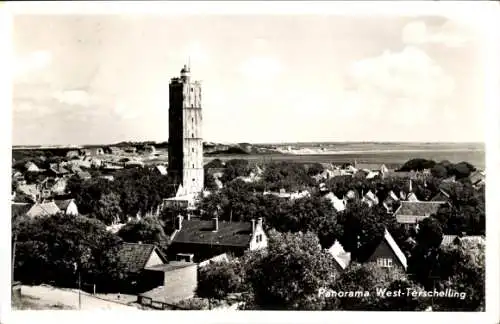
x=246, y=162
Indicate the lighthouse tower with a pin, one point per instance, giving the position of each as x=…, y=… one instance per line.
x=185, y=143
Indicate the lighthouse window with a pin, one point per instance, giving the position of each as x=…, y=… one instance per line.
x=192, y=135
x=193, y=166
x=192, y=150
x=191, y=89
x=192, y=119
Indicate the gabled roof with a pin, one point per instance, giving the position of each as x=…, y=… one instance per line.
x=476, y=177
x=63, y=204
x=411, y=197
x=134, y=256
x=419, y=208
x=337, y=203
x=340, y=256
x=236, y=234
x=395, y=248
x=162, y=169
x=391, y=197
x=83, y=175
x=43, y=209
x=441, y=196
x=30, y=189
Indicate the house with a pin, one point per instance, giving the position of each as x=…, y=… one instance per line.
x=72, y=154
x=134, y=164
x=31, y=167
x=387, y=254
x=222, y=258
x=161, y=169
x=372, y=174
x=67, y=206
x=215, y=172
x=130, y=149
x=153, y=277
x=390, y=201
x=107, y=177
x=180, y=279
x=411, y=213
x=83, y=175
x=351, y=195
x=149, y=149
x=59, y=186
x=338, y=204
x=56, y=170
x=457, y=239
x=383, y=170
x=477, y=178
x=114, y=228
x=30, y=192
x=92, y=151
x=341, y=257
x=43, y=209
x=411, y=197
x=136, y=258
x=441, y=196
x=206, y=239
x=370, y=199
x=289, y=195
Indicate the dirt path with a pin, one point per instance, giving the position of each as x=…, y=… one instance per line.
x=47, y=295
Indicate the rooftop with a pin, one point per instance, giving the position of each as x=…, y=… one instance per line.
x=201, y=232
x=419, y=208
x=135, y=255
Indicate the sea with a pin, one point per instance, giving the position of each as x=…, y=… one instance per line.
x=391, y=154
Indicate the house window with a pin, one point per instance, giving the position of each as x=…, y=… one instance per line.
x=191, y=89
x=193, y=180
x=192, y=149
x=192, y=119
x=384, y=262
x=258, y=238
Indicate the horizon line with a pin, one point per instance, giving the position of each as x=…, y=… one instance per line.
x=254, y=143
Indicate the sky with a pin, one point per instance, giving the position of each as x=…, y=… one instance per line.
x=98, y=79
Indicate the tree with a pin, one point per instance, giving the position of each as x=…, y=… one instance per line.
x=418, y=165
x=430, y=233
x=108, y=209
x=463, y=271
x=209, y=182
x=315, y=169
x=367, y=278
x=214, y=164
x=236, y=168
x=291, y=274
x=439, y=171
x=148, y=230
x=217, y=280
x=54, y=244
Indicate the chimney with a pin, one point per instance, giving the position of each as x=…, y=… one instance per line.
x=411, y=187
x=178, y=223
x=253, y=226
x=215, y=222
x=189, y=216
